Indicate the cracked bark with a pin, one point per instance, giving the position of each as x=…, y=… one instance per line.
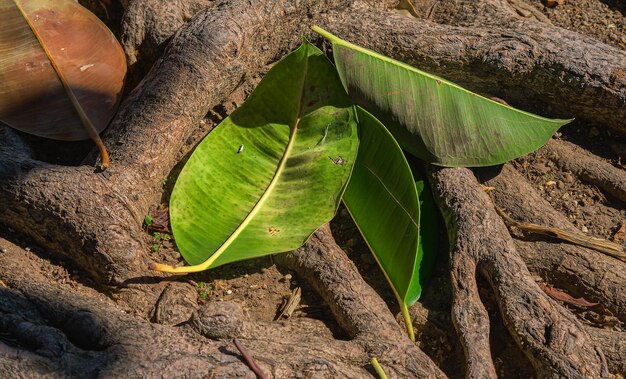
x=222, y=48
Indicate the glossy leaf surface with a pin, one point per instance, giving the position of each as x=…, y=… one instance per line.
x=434, y=119
x=61, y=69
x=383, y=201
x=272, y=172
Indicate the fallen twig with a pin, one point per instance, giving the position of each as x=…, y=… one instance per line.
x=249, y=360
x=598, y=244
x=290, y=305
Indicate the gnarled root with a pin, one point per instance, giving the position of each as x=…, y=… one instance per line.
x=588, y=167
x=357, y=308
x=59, y=330
x=554, y=340
x=580, y=272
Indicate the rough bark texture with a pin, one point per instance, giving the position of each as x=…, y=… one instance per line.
x=365, y=318
x=581, y=272
x=205, y=56
x=588, y=167
x=555, y=342
x=526, y=63
x=53, y=330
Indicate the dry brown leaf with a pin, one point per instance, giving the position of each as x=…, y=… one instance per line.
x=554, y=3
x=62, y=61
x=564, y=297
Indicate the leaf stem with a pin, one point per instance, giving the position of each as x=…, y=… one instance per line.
x=407, y=318
x=328, y=35
x=378, y=368
x=89, y=128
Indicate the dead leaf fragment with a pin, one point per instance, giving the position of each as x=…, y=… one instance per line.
x=554, y=3
x=620, y=234
x=406, y=7
x=564, y=297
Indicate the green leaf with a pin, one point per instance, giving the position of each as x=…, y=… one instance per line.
x=272, y=172
x=430, y=226
x=434, y=119
x=382, y=199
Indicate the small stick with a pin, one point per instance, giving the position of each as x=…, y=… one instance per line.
x=291, y=304
x=249, y=360
x=606, y=247
x=378, y=368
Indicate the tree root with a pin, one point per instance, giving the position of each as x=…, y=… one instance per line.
x=554, y=340
x=588, y=167
x=96, y=220
x=580, y=272
x=523, y=63
x=61, y=331
x=365, y=317
x=202, y=67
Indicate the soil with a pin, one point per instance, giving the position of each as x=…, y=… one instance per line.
x=603, y=20
x=261, y=287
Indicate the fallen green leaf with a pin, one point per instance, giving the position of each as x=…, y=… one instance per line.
x=382, y=198
x=430, y=224
x=272, y=172
x=434, y=119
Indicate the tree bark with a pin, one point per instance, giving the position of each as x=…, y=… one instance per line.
x=205, y=56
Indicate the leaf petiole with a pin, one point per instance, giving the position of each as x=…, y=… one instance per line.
x=378, y=368
x=407, y=317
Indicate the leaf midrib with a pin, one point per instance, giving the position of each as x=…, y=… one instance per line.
x=392, y=196
x=338, y=41
x=91, y=130
x=268, y=191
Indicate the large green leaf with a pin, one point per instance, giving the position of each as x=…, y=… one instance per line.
x=272, y=172
x=382, y=198
x=430, y=225
x=61, y=70
x=434, y=119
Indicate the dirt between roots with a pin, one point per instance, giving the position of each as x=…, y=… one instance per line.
x=262, y=288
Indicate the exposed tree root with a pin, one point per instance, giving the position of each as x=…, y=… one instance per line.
x=207, y=60
x=59, y=331
x=580, y=272
x=365, y=317
x=588, y=167
x=213, y=59
x=522, y=63
x=555, y=342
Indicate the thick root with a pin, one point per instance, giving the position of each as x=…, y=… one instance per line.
x=554, y=340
